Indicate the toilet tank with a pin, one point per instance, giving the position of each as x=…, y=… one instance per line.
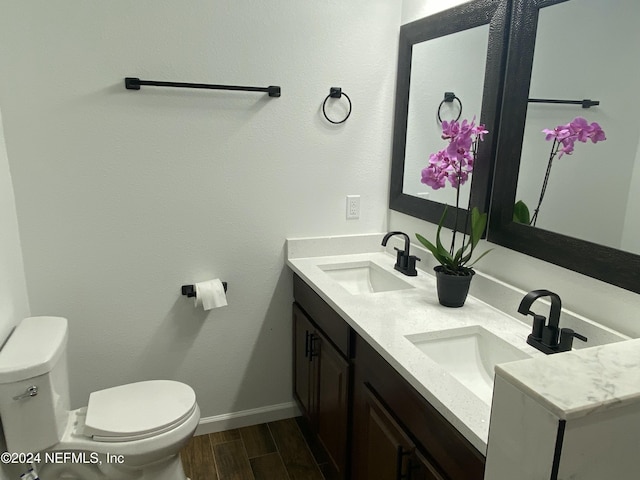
x=34, y=355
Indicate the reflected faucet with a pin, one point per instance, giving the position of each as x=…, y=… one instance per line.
x=548, y=338
x=405, y=263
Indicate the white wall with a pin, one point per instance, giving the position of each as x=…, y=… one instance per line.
x=125, y=196
x=14, y=304
x=604, y=303
x=416, y=9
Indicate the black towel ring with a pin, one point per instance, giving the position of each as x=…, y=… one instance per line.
x=335, y=92
x=448, y=98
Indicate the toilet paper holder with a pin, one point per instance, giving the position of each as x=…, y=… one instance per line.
x=190, y=290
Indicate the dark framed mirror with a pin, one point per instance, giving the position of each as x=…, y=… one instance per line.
x=460, y=50
x=588, y=222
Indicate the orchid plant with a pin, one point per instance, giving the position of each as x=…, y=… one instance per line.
x=564, y=138
x=454, y=165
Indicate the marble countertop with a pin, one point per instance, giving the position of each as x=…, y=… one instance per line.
x=384, y=319
x=581, y=382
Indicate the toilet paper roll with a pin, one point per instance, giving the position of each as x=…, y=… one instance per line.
x=210, y=294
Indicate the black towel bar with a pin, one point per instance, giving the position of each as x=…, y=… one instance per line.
x=586, y=103
x=132, y=83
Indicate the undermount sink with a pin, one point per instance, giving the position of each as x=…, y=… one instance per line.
x=363, y=277
x=469, y=354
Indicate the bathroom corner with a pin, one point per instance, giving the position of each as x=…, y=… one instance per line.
x=14, y=303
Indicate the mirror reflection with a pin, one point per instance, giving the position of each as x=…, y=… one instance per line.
x=592, y=194
x=460, y=50
x=452, y=63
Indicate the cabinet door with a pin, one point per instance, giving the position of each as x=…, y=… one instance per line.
x=421, y=469
x=333, y=399
x=385, y=450
x=304, y=377
x=449, y=454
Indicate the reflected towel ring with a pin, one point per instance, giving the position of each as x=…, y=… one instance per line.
x=336, y=92
x=448, y=98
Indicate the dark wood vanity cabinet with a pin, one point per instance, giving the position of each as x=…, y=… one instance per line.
x=372, y=423
x=322, y=375
x=384, y=449
x=396, y=430
x=305, y=370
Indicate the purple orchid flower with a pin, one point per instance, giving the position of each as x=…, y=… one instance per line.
x=564, y=138
x=455, y=162
x=577, y=130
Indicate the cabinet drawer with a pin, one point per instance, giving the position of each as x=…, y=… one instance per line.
x=333, y=325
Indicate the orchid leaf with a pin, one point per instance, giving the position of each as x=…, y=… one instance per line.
x=481, y=255
x=441, y=249
x=466, y=258
x=430, y=246
x=478, y=224
x=433, y=249
x=458, y=262
x=458, y=257
x=521, y=213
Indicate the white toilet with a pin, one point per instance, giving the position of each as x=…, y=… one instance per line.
x=128, y=432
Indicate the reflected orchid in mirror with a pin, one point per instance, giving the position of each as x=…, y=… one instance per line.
x=564, y=138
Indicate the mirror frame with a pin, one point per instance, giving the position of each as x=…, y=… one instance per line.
x=613, y=266
x=496, y=13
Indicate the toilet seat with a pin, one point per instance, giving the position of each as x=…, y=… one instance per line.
x=138, y=410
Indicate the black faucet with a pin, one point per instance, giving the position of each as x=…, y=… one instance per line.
x=405, y=263
x=548, y=338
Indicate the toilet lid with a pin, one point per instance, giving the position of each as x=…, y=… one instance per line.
x=138, y=410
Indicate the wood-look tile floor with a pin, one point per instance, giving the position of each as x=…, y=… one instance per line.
x=270, y=451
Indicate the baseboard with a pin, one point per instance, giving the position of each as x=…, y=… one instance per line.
x=245, y=418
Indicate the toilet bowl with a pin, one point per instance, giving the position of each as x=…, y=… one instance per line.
x=128, y=432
